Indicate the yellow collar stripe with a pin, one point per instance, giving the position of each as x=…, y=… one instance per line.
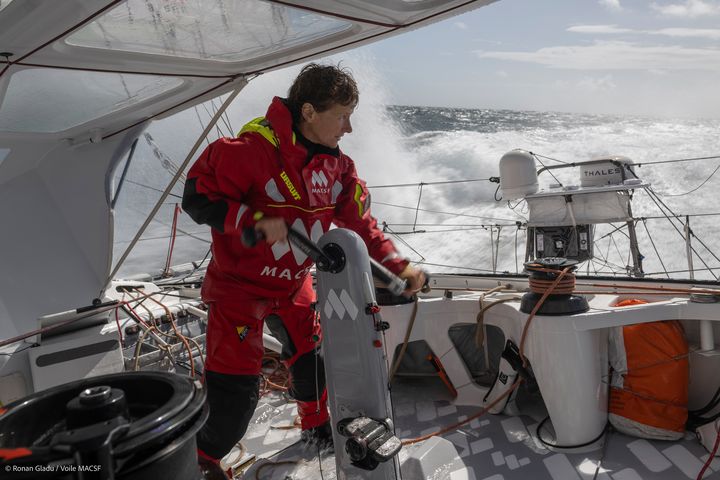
x=260, y=125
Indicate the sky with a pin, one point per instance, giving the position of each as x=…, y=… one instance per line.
x=637, y=57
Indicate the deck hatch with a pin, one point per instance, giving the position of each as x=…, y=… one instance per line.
x=221, y=30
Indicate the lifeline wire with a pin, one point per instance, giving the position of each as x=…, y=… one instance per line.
x=549, y=171
x=696, y=188
x=659, y=202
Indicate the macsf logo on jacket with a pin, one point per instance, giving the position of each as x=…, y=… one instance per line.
x=319, y=182
x=284, y=273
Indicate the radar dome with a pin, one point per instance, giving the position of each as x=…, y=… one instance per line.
x=518, y=176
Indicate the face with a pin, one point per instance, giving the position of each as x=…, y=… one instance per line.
x=328, y=127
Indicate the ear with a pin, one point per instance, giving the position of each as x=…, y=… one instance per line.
x=308, y=112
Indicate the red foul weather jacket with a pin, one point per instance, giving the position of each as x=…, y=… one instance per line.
x=271, y=169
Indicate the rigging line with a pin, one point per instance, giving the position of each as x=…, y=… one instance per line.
x=417, y=206
x=694, y=189
x=218, y=130
x=546, y=169
x=385, y=226
x=496, y=247
x=239, y=80
x=197, y=114
x=164, y=237
x=196, y=266
x=600, y=253
x=614, y=269
x=607, y=252
x=444, y=213
x=157, y=220
x=175, y=195
x=445, y=182
x=652, y=242
x=676, y=160
x=455, y=266
x=704, y=246
x=517, y=230
x=549, y=158
x=616, y=229
x=467, y=225
x=656, y=199
x=225, y=120
x=172, y=183
x=492, y=252
x=629, y=254
x=663, y=206
x=607, y=263
x=471, y=229
x=710, y=269
x=680, y=215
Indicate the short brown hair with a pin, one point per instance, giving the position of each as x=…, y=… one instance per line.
x=321, y=86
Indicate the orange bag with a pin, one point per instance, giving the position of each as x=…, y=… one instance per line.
x=649, y=382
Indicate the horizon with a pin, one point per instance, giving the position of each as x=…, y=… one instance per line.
x=564, y=112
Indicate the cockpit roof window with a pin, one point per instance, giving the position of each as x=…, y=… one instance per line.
x=45, y=100
x=221, y=30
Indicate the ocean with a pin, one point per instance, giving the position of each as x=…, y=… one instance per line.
x=458, y=227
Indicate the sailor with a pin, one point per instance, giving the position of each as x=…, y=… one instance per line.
x=283, y=169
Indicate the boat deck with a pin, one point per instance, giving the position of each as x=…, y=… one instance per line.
x=491, y=447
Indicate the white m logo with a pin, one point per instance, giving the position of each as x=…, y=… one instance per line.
x=319, y=179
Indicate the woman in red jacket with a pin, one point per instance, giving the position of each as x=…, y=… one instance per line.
x=283, y=169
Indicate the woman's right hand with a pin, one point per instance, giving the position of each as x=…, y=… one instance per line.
x=274, y=229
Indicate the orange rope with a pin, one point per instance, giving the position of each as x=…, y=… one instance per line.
x=278, y=378
x=565, y=287
x=180, y=336
x=117, y=322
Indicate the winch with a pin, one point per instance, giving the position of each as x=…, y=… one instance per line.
x=138, y=426
x=544, y=273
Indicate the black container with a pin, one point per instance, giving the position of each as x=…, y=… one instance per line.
x=138, y=426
